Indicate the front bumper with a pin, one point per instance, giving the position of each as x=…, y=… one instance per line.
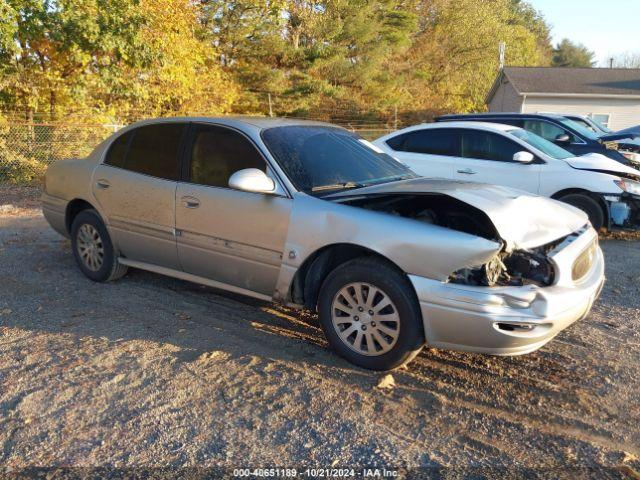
x=624, y=211
x=510, y=320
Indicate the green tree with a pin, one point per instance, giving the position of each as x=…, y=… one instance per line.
x=570, y=54
x=454, y=58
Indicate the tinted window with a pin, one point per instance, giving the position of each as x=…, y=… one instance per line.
x=218, y=153
x=487, y=146
x=325, y=159
x=436, y=141
x=118, y=150
x=546, y=130
x=154, y=150
x=545, y=146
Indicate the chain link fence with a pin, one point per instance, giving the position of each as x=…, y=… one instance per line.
x=27, y=148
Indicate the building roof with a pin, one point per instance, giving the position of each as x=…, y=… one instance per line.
x=561, y=81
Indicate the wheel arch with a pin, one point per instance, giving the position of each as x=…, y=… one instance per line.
x=74, y=207
x=309, y=277
x=596, y=196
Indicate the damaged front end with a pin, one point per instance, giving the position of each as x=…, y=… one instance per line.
x=517, y=268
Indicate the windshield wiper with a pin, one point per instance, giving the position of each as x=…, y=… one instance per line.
x=337, y=186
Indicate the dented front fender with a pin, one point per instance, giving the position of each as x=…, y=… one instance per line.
x=415, y=247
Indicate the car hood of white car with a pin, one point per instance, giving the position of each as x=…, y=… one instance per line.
x=598, y=162
x=521, y=219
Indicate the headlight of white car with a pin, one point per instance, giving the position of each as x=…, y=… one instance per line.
x=628, y=186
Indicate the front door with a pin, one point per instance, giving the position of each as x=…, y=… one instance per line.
x=136, y=186
x=486, y=157
x=226, y=235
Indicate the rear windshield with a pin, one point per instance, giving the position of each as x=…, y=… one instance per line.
x=539, y=143
x=325, y=159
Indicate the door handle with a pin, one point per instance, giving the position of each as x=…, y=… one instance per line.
x=190, y=202
x=103, y=184
x=467, y=171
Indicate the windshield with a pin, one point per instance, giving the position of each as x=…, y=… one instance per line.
x=321, y=159
x=539, y=143
x=584, y=131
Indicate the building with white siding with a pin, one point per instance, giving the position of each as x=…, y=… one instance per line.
x=609, y=95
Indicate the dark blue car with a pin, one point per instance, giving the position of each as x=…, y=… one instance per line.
x=566, y=133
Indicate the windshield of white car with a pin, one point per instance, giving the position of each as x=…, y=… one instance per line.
x=321, y=160
x=539, y=143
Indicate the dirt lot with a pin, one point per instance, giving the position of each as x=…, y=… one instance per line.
x=151, y=371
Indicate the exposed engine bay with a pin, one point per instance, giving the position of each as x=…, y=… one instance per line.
x=515, y=268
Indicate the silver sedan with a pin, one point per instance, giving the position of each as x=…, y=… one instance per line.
x=311, y=215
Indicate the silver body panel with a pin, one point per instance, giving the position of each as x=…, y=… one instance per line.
x=254, y=243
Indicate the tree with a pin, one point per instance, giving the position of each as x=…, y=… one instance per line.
x=454, y=57
x=312, y=53
x=570, y=54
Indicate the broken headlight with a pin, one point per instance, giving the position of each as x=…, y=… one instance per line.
x=508, y=269
x=628, y=186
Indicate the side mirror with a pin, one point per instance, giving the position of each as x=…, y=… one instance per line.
x=563, y=138
x=252, y=180
x=523, y=157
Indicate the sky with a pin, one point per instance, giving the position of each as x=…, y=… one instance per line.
x=606, y=27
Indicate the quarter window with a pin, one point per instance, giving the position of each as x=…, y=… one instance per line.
x=154, y=150
x=488, y=146
x=118, y=150
x=436, y=141
x=218, y=153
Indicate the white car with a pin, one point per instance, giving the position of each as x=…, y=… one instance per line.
x=606, y=190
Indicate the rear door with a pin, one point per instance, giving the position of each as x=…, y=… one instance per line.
x=136, y=187
x=226, y=235
x=487, y=157
x=429, y=152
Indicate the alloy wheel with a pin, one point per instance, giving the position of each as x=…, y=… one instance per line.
x=365, y=319
x=90, y=247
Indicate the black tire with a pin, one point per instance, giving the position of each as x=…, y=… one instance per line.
x=109, y=269
x=588, y=205
x=396, y=286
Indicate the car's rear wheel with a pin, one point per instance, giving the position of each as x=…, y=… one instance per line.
x=370, y=315
x=588, y=205
x=93, y=249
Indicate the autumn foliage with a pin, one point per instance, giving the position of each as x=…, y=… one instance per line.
x=115, y=60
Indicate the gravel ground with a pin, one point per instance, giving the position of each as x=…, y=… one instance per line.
x=155, y=372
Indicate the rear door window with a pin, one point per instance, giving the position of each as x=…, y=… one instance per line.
x=155, y=149
x=436, y=141
x=482, y=145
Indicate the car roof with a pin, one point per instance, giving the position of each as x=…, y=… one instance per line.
x=500, y=115
x=261, y=123
x=494, y=127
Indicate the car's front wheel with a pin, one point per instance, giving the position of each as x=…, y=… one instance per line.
x=93, y=249
x=370, y=315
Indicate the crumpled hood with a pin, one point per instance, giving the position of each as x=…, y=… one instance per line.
x=522, y=220
x=630, y=133
x=597, y=161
